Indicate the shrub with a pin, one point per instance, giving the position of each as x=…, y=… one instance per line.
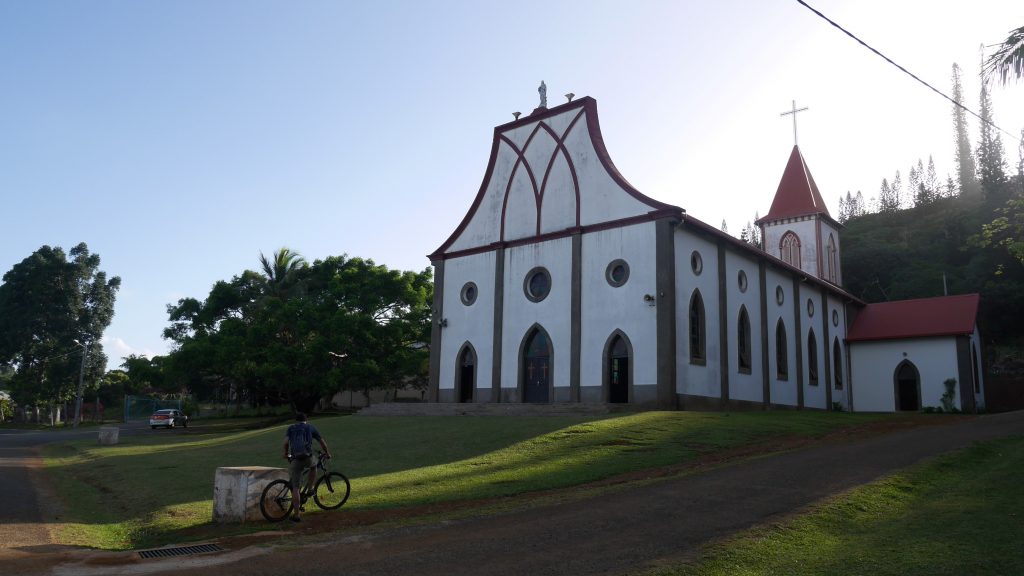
x=949, y=398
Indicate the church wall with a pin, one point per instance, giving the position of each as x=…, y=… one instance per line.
x=472, y=323
x=743, y=385
x=697, y=379
x=558, y=207
x=608, y=308
x=521, y=207
x=485, y=226
x=807, y=231
x=875, y=363
x=815, y=396
x=553, y=313
x=605, y=199
x=783, y=392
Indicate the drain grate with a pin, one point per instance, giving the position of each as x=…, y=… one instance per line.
x=179, y=551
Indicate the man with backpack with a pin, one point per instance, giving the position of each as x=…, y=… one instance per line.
x=298, y=449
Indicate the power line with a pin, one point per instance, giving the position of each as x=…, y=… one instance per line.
x=905, y=71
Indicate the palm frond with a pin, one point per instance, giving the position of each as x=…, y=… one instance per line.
x=1008, y=59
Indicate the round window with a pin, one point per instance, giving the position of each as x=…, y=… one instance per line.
x=537, y=284
x=741, y=279
x=810, y=307
x=780, y=295
x=696, y=263
x=617, y=273
x=835, y=318
x=468, y=294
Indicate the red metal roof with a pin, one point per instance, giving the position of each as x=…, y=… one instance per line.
x=941, y=316
x=797, y=194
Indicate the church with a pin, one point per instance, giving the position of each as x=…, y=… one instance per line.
x=565, y=284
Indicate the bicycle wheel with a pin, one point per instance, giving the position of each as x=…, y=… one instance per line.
x=331, y=491
x=276, y=500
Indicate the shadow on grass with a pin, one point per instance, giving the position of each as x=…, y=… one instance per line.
x=156, y=487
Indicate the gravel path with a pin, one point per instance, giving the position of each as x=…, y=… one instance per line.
x=614, y=533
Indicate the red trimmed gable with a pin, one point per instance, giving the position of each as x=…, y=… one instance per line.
x=924, y=317
x=797, y=194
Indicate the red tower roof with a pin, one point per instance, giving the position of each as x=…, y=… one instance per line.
x=941, y=316
x=797, y=194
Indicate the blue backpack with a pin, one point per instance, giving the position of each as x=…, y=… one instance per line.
x=300, y=440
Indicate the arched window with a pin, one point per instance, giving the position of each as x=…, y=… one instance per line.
x=837, y=364
x=781, y=352
x=743, y=341
x=832, y=265
x=697, y=331
x=812, y=359
x=789, y=249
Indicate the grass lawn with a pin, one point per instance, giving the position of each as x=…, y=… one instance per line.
x=158, y=488
x=959, y=514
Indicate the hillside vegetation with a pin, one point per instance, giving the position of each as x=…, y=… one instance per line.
x=904, y=254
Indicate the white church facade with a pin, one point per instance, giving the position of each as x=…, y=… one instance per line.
x=563, y=283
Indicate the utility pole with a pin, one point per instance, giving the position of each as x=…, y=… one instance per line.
x=81, y=384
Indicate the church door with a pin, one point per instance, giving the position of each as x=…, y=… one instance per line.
x=467, y=375
x=618, y=372
x=908, y=387
x=537, y=365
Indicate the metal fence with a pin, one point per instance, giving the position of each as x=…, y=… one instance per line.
x=141, y=407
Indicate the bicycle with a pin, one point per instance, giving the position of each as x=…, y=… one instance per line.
x=330, y=492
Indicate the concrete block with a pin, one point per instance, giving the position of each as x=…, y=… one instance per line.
x=109, y=435
x=237, y=490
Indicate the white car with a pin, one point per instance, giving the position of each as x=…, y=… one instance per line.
x=169, y=418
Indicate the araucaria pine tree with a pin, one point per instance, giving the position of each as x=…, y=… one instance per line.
x=897, y=191
x=931, y=179
x=886, y=199
x=991, y=163
x=967, y=180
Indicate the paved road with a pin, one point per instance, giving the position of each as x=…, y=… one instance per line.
x=611, y=534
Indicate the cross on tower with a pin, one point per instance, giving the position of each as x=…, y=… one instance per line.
x=793, y=111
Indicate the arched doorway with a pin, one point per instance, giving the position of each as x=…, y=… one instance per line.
x=617, y=368
x=908, y=387
x=536, y=366
x=466, y=373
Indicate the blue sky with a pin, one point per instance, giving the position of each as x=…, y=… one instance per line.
x=180, y=139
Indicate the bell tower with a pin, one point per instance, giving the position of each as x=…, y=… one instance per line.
x=798, y=228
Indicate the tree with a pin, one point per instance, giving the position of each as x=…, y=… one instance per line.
x=49, y=307
x=931, y=179
x=991, y=164
x=750, y=233
x=1007, y=230
x=964, y=157
x=951, y=188
x=280, y=272
x=725, y=227
x=1008, y=59
x=337, y=324
x=887, y=201
x=897, y=191
x=860, y=207
x=914, y=179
